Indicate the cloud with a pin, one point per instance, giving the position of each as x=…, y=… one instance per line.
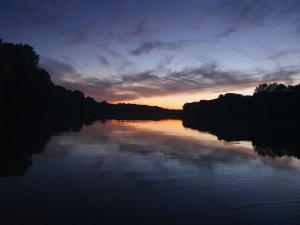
x=239, y=15
x=104, y=61
x=190, y=80
x=285, y=74
x=163, y=64
x=283, y=53
x=149, y=46
x=141, y=77
x=228, y=31
x=122, y=62
x=59, y=70
x=140, y=28
x=77, y=38
x=93, y=27
x=251, y=12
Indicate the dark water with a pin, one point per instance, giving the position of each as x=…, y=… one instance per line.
x=151, y=173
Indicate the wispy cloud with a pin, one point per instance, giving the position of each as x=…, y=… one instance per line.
x=245, y=14
x=76, y=39
x=283, y=53
x=148, y=47
x=103, y=60
x=120, y=59
x=141, y=28
x=108, y=30
x=189, y=80
x=59, y=70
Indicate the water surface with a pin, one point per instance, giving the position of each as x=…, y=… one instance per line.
x=151, y=172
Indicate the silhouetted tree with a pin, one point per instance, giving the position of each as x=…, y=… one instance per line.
x=33, y=108
x=269, y=103
x=269, y=118
x=26, y=89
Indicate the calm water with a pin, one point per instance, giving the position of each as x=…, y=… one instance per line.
x=147, y=172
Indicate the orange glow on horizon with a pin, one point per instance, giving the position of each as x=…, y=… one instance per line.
x=165, y=126
x=177, y=101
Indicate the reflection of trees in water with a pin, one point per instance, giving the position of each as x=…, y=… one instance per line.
x=33, y=108
x=269, y=118
x=271, y=139
x=21, y=138
x=273, y=152
x=26, y=89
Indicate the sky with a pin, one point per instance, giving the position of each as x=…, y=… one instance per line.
x=159, y=52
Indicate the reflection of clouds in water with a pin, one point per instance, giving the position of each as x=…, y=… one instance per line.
x=117, y=169
x=164, y=145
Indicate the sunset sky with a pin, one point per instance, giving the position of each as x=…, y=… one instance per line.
x=159, y=52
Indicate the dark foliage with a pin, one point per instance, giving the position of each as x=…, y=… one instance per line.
x=26, y=89
x=269, y=118
x=21, y=138
x=273, y=103
x=33, y=108
x=133, y=111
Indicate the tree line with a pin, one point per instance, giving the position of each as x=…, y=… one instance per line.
x=269, y=118
x=26, y=90
x=270, y=103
